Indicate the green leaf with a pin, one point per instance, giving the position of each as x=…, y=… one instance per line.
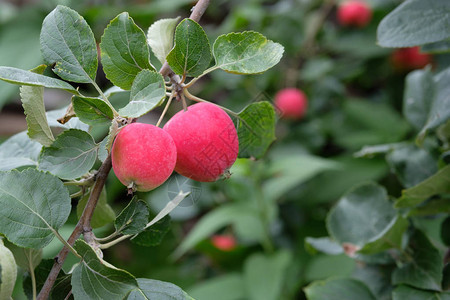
x=71, y=156
x=437, y=48
x=8, y=272
x=102, y=151
x=290, y=171
x=390, y=238
x=61, y=287
x=264, y=275
x=26, y=258
x=362, y=216
x=430, y=24
x=439, y=110
x=103, y=213
x=246, y=52
x=424, y=269
x=412, y=165
x=155, y=289
x=92, y=111
x=19, y=151
x=336, y=289
x=68, y=42
x=22, y=77
x=225, y=287
x=113, y=91
x=432, y=207
x=417, y=99
x=153, y=235
x=403, y=292
x=377, y=277
x=147, y=92
x=133, y=218
x=124, y=51
x=256, y=129
x=34, y=205
x=110, y=282
x=192, y=52
x=324, y=245
x=434, y=185
x=160, y=37
x=33, y=104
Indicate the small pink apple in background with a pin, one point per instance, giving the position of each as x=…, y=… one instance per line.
x=406, y=59
x=291, y=103
x=355, y=13
x=206, y=140
x=224, y=242
x=143, y=156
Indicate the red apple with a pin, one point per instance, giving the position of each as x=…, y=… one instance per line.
x=291, y=103
x=224, y=242
x=407, y=59
x=355, y=13
x=143, y=156
x=206, y=140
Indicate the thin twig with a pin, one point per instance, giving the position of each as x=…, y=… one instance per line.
x=116, y=241
x=33, y=277
x=197, y=99
x=107, y=238
x=105, y=99
x=165, y=110
x=68, y=295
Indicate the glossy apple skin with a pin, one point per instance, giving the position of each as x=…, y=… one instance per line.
x=206, y=140
x=224, y=242
x=143, y=154
x=291, y=103
x=354, y=13
x=406, y=59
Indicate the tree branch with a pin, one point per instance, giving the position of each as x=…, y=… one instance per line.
x=82, y=226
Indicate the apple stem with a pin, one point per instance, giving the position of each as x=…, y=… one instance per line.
x=131, y=188
x=197, y=99
x=165, y=110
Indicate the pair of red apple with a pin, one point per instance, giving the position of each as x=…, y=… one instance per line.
x=200, y=143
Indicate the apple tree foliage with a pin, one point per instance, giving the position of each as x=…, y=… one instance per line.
x=39, y=166
x=350, y=203
x=401, y=260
